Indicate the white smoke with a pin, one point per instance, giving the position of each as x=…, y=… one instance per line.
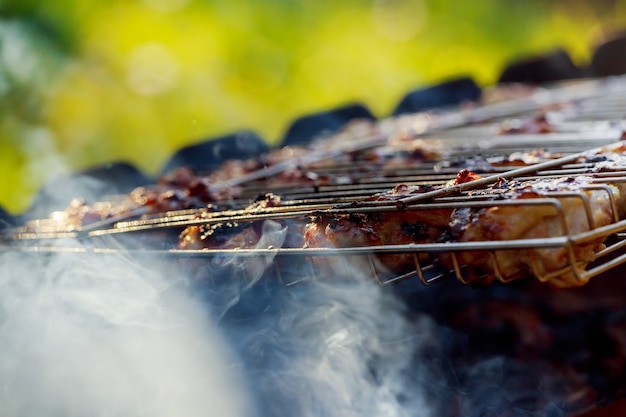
x=224, y=278
x=334, y=349
x=103, y=336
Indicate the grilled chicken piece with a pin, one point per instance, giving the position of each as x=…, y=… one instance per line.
x=181, y=189
x=516, y=159
x=385, y=227
x=532, y=221
x=535, y=125
x=511, y=212
x=242, y=235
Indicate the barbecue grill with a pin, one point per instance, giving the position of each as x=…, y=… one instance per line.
x=337, y=173
x=587, y=117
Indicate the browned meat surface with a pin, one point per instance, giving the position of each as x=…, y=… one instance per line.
x=531, y=221
x=535, y=125
x=512, y=211
x=385, y=227
x=240, y=235
x=179, y=190
x=523, y=158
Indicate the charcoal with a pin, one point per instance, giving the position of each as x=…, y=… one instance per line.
x=553, y=66
x=307, y=128
x=448, y=93
x=6, y=220
x=210, y=154
x=93, y=184
x=609, y=58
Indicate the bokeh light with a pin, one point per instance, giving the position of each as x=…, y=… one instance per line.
x=84, y=82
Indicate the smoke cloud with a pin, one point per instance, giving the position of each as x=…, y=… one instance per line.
x=104, y=336
x=107, y=335
x=337, y=348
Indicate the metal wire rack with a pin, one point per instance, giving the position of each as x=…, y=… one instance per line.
x=342, y=187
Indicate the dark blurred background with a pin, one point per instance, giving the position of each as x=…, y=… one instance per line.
x=84, y=82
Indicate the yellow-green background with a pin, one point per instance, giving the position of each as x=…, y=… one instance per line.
x=83, y=82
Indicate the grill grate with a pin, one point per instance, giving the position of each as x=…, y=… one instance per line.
x=586, y=119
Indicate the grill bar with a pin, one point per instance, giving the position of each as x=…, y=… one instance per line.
x=586, y=117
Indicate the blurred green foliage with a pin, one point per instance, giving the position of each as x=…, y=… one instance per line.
x=83, y=82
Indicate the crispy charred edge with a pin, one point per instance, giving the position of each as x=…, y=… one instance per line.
x=211, y=236
x=357, y=230
x=232, y=235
